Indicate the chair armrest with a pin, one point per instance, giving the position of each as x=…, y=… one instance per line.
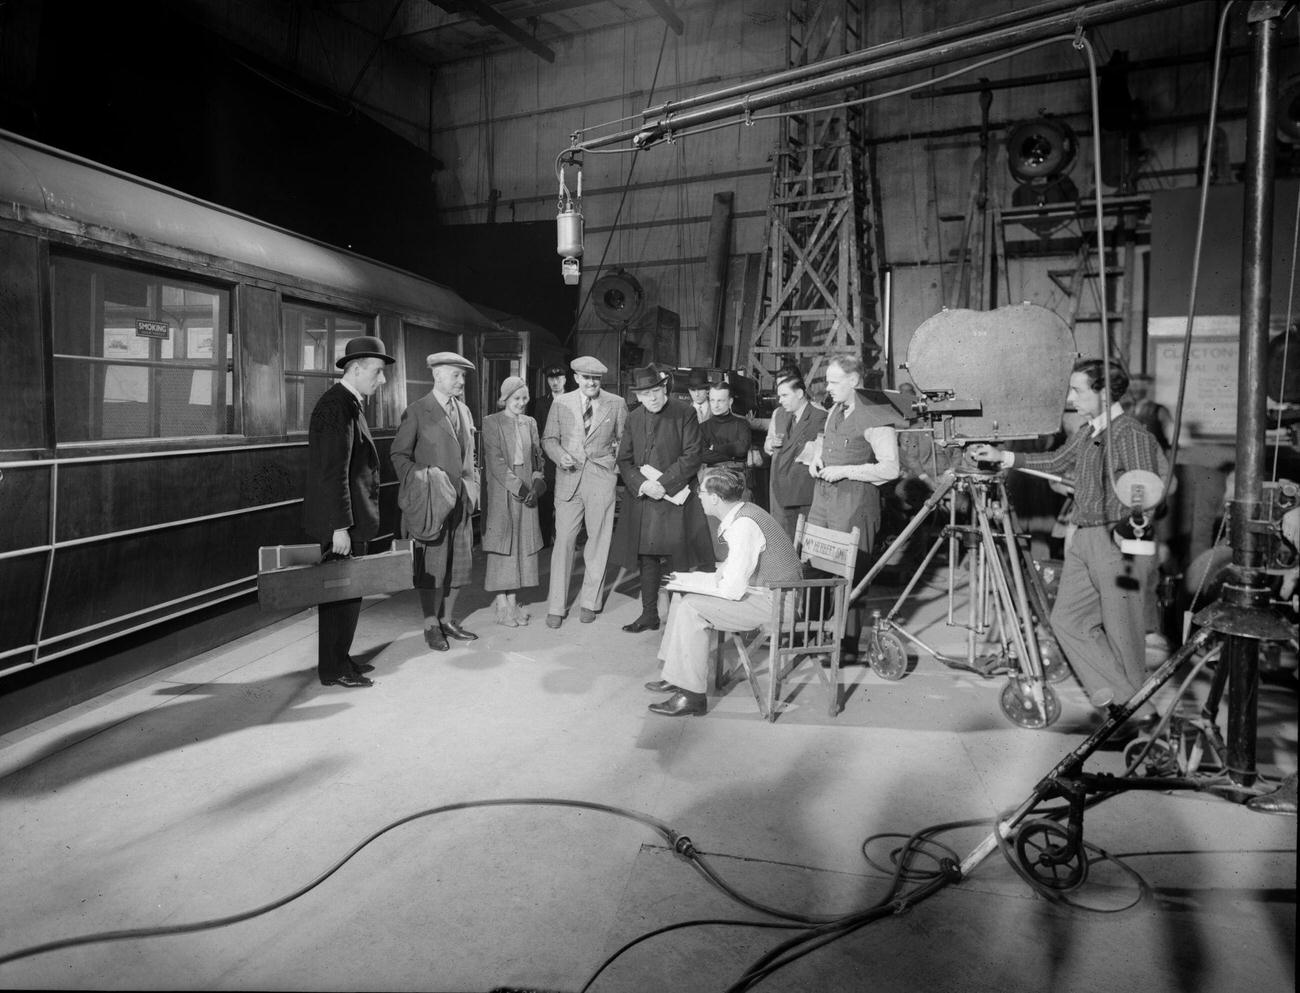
x=807, y=584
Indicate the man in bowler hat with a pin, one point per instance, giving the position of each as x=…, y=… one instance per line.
x=341, y=505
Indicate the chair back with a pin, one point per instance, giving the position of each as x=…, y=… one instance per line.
x=830, y=551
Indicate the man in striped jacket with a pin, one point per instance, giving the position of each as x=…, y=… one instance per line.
x=734, y=598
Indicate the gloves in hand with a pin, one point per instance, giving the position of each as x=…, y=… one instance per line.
x=539, y=487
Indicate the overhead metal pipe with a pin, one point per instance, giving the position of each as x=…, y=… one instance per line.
x=864, y=56
x=829, y=74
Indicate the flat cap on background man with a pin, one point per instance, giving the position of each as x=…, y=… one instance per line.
x=449, y=358
x=586, y=365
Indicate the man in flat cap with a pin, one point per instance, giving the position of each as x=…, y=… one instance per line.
x=437, y=432
x=662, y=523
x=581, y=439
x=341, y=505
x=556, y=380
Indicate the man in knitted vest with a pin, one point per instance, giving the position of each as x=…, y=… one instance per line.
x=734, y=598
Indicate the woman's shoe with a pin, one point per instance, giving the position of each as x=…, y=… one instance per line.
x=505, y=617
x=522, y=616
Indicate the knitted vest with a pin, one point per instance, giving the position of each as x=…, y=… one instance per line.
x=777, y=562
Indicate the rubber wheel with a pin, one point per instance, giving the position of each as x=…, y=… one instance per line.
x=889, y=660
x=1017, y=701
x=1038, y=845
x=1160, y=758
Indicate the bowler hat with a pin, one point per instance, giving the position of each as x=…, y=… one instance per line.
x=364, y=347
x=647, y=378
x=449, y=358
x=588, y=365
x=699, y=379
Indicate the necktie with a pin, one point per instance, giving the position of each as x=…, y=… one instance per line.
x=453, y=417
x=586, y=416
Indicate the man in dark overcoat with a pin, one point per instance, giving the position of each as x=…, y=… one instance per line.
x=659, y=530
x=341, y=502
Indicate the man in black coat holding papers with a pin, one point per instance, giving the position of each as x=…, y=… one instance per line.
x=661, y=522
x=341, y=505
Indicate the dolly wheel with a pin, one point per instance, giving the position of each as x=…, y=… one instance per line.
x=889, y=657
x=1048, y=859
x=1020, y=707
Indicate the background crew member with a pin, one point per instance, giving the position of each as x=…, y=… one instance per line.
x=581, y=438
x=555, y=384
x=512, y=462
x=735, y=598
x=697, y=385
x=438, y=431
x=795, y=423
x=725, y=440
x=1098, y=617
x=341, y=505
x=859, y=451
x=664, y=435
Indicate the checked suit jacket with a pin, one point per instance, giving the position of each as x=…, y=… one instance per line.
x=596, y=453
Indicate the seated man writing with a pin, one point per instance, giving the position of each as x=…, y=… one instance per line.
x=734, y=598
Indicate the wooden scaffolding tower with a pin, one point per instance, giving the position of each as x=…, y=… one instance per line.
x=818, y=294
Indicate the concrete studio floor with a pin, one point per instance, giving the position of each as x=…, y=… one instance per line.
x=234, y=779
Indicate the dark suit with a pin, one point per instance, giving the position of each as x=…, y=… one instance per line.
x=791, y=489
x=651, y=530
x=546, y=504
x=342, y=492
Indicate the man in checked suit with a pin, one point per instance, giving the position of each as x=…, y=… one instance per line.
x=341, y=505
x=581, y=436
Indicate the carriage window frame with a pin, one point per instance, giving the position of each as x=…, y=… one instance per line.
x=167, y=332
x=337, y=325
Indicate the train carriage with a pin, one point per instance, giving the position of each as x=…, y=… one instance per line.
x=162, y=357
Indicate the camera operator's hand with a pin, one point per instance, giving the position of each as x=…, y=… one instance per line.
x=833, y=473
x=983, y=452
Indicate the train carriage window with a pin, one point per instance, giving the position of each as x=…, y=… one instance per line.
x=314, y=338
x=138, y=355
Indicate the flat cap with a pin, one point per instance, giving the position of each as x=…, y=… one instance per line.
x=588, y=366
x=449, y=358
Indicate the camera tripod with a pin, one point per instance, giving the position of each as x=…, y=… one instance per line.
x=1007, y=597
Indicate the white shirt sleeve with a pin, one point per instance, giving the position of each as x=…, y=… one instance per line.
x=744, y=544
x=884, y=442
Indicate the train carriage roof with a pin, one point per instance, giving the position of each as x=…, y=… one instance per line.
x=36, y=178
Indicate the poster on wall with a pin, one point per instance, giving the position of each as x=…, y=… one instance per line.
x=1210, y=400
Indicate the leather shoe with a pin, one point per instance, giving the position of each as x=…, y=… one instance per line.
x=435, y=639
x=662, y=686
x=586, y=616
x=348, y=680
x=363, y=667
x=642, y=624
x=680, y=705
x=554, y=620
x=454, y=630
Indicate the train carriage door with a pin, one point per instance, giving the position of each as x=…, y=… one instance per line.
x=504, y=355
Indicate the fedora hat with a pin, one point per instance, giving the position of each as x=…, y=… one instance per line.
x=647, y=378
x=698, y=380
x=364, y=347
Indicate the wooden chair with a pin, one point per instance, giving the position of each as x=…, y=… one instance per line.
x=807, y=620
